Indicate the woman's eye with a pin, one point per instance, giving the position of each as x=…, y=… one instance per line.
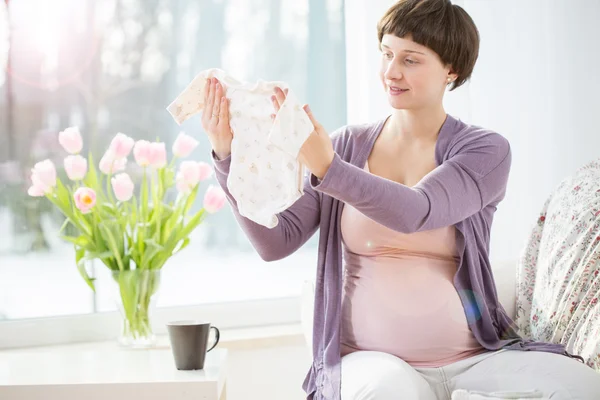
x=409, y=61
x=387, y=55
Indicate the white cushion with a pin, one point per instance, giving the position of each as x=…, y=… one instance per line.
x=505, y=275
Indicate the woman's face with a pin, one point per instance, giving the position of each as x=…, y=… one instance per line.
x=415, y=69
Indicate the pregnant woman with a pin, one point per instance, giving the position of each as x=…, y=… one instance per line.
x=405, y=304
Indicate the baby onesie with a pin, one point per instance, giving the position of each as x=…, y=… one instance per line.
x=265, y=177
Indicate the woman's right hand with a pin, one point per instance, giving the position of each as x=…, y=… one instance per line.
x=215, y=118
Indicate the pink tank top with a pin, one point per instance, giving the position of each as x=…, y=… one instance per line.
x=399, y=296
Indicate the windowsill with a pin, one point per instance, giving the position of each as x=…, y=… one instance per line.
x=231, y=339
x=234, y=319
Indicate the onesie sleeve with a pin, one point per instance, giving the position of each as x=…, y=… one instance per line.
x=190, y=101
x=291, y=127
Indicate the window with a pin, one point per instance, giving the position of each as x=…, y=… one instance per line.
x=113, y=66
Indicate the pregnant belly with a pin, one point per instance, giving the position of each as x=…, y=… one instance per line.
x=407, y=307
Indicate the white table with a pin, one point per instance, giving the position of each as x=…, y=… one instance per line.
x=99, y=371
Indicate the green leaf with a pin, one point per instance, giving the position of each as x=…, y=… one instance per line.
x=179, y=234
x=110, y=209
x=129, y=293
x=165, y=223
x=110, y=262
x=173, y=219
x=183, y=245
x=166, y=212
x=169, y=177
x=97, y=236
x=127, y=262
x=64, y=225
x=144, y=199
x=91, y=178
x=114, y=240
x=152, y=250
x=190, y=200
x=80, y=241
x=80, y=260
x=69, y=211
x=141, y=224
x=134, y=254
x=62, y=195
x=133, y=217
x=193, y=223
x=91, y=255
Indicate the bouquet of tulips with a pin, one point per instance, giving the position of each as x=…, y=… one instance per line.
x=128, y=228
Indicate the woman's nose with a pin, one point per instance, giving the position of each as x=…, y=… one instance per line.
x=393, y=73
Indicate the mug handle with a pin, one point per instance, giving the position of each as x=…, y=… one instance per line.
x=217, y=336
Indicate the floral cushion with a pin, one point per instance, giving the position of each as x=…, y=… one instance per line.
x=558, y=279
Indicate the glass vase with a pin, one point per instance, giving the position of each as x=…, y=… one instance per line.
x=135, y=295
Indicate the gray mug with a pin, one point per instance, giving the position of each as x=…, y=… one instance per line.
x=189, y=342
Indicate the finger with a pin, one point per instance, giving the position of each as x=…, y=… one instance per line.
x=223, y=115
x=280, y=95
x=217, y=102
x=275, y=103
x=211, y=96
x=223, y=87
x=227, y=107
x=207, y=106
x=311, y=116
x=206, y=91
x=301, y=158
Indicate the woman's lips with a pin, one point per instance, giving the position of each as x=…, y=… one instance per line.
x=397, y=91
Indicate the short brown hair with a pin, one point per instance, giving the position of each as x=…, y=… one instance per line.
x=443, y=27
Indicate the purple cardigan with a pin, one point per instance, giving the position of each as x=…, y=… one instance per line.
x=464, y=190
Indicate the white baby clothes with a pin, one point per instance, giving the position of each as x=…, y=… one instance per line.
x=265, y=177
x=462, y=394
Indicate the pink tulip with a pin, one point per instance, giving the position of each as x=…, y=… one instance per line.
x=43, y=178
x=184, y=145
x=122, y=186
x=142, y=152
x=150, y=154
x=121, y=146
x=76, y=167
x=35, y=191
x=190, y=174
x=205, y=170
x=70, y=139
x=214, y=199
x=110, y=165
x=158, y=158
x=183, y=187
x=85, y=199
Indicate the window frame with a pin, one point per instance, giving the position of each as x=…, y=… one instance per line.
x=101, y=326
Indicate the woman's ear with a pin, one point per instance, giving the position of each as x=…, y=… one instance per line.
x=452, y=75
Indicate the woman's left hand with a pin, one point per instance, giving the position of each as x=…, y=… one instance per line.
x=317, y=151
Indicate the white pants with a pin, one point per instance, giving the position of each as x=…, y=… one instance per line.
x=373, y=375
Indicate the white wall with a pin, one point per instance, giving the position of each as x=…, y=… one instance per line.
x=536, y=82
